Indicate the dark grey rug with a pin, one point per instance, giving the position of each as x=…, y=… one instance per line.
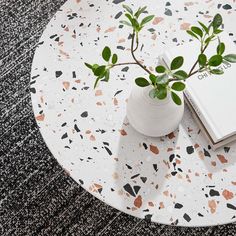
x=36, y=195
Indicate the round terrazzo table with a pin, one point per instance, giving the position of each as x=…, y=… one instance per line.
x=175, y=179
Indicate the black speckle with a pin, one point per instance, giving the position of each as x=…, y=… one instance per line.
x=120, y=47
x=171, y=158
x=136, y=189
x=144, y=179
x=134, y=176
x=178, y=205
x=84, y=114
x=108, y=150
x=81, y=181
x=129, y=189
x=76, y=128
x=227, y=7
x=118, y=15
x=117, y=1
x=226, y=149
x=125, y=69
x=155, y=167
x=186, y=217
x=190, y=149
x=58, y=73
x=64, y=136
x=206, y=153
x=145, y=146
x=129, y=167
x=119, y=91
x=174, y=173
x=168, y=12
x=199, y=214
x=214, y=193
x=230, y=206
x=32, y=90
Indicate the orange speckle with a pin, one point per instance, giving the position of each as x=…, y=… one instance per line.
x=92, y=138
x=115, y=101
x=154, y=37
x=99, y=104
x=212, y=205
x=111, y=29
x=123, y=132
x=171, y=135
x=154, y=149
x=98, y=186
x=210, y=175
x=161, y=205
x=169, y=149
x=233, y=182
x=150, y=204
x=201, y=155
x=166, y=193
x=66, y=84
x=88, y=132
x=74, y=36
x=227, y=194
x=222, y=159
x=213, y=163
x=67, y=29
x=138, y=202
x=122, y=40
x=98, y=93
x=178, y=161
x=185, y=26
x=78, y=1
x=98, y=29
x=157, y=20
x=40, y=117
x=77, y=81
x=196, y=146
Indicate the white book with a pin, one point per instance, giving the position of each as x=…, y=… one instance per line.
x=213, y=97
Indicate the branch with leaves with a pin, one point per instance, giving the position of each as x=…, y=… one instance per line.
x=167, y=79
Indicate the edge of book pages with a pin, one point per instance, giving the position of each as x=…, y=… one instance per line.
x=214, y=145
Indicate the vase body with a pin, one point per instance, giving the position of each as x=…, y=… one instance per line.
x=151, y=116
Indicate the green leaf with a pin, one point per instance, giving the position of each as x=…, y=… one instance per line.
x=217, y=72
x=141, y=82
x=152, y=93
x=153, y=78
x=197, y=31
x=192, y=34
x=114, y=58
x=107, y=76
x=208, y=40
x=230, y=58
x=160, y=69
x=128, y=9
x=202, y=59
x=130, y=18
x=147, y=19
x=99, y=70
x=217, y=21
x=95, y=66
x=176, y=98
x=89, y=66
x=161, y=93
x=106, y=53
x=177, y=63
x=180, y=74
x=163, y=79
x=215, y=60
x=123, y=22
x=220, y=48
x=178, y=86
x=140, y=11
x=204, y=27
x=135, y=24
x=218, y=31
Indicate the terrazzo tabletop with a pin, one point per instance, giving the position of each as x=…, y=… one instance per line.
x=177, y=179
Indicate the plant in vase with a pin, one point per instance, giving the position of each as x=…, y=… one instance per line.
x=159, y=101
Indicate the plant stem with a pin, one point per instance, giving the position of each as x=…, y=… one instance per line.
x=137, y=42
x=136, y=60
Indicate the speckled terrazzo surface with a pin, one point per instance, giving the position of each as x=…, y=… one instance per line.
x=37, y=197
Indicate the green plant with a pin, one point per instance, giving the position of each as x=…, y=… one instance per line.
x=165, y=79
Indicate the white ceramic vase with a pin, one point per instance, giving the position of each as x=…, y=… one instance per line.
x=153, y=117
